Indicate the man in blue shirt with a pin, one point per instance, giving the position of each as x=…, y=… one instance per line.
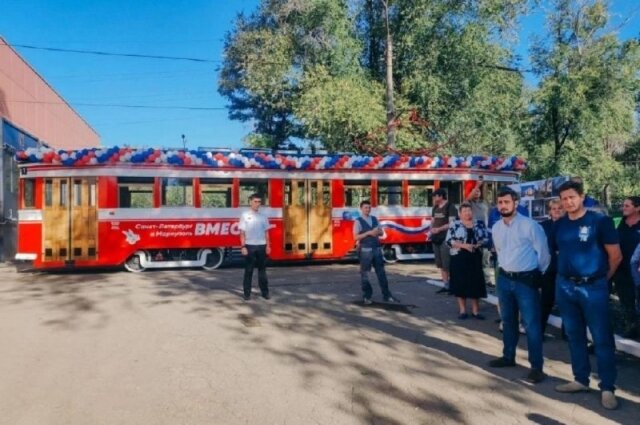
x=523, y=255
x=588, y=256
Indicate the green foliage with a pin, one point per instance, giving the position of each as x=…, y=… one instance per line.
x=338, y=110
x=314, y=70
x=583, y=110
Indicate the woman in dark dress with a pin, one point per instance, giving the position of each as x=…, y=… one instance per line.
x=466, y=238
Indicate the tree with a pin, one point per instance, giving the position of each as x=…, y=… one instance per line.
x=583, y=110
x=268, y=54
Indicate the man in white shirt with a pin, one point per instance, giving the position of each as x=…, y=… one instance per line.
x=254, y=238
x=523, y=255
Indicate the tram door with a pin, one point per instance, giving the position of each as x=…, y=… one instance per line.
x=69, y=219
x=307, y=217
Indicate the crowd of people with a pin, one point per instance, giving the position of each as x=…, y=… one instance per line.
x=574, y=260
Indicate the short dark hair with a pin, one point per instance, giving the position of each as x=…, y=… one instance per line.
x=571, y=184
x=507, y=191
x=365, y=202
x=465, y=205
x=635, y=200
x=255, y=196
x=440, y=192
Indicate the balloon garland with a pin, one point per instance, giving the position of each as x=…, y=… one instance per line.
x=261, y=160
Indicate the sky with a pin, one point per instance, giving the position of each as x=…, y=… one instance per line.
x=180, y=28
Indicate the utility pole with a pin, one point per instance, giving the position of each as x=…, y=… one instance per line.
x=184, y=142
x=391, y=110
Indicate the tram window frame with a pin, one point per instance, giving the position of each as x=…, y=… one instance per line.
x=29, y=193
x=385, y=190
x=212, y=187
x=424, y=195
x=248, y=187
x=454, y=190
x=350, y=185
x=184, y=190
x=139, y=183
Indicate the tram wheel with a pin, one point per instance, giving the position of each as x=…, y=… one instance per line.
x=214, y=259
x=389, y=254
x=133, y=264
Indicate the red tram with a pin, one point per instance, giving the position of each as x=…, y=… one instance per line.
x=151, y=208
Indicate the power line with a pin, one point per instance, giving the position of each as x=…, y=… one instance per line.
x=128, y=55
x=115, y=105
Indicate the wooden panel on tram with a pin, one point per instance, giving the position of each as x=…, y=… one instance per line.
x=83, y=220
x=55, y=216
x=295, y=217
x=320, y=234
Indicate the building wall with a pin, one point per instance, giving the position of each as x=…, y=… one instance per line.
x=27, y=101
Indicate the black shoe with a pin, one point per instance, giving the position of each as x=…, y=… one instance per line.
x=502, y=362
x=535, y=376
x=478, y=316
x=463, y=316
x=266, y=296
x=442, y=290
x=246, y=297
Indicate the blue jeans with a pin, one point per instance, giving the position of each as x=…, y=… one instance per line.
x=516, y=296
x=373, y=257
x=583, y=306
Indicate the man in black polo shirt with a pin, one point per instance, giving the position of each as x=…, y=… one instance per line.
x=588, y=256
x=629, y=234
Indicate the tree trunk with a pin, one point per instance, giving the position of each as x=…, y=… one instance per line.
x=391, y=110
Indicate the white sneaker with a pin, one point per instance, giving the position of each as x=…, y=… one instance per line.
x=572, y=387
x=367, y=301
x=608, y=400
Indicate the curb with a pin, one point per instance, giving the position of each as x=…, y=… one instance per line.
x=628, y=346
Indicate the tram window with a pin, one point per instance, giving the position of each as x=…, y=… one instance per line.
x=420, y=193
x=215, y=193
x=29, y=194
x=389, y=193
x=77, y=193
x=48, y=193
x=135, y=192
x=249, y=187
x=356, y=191
x=454, y=191
x=92, y=194
x=177, y=192
x=64, y=193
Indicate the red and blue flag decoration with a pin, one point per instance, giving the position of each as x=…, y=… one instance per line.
x=262, y=160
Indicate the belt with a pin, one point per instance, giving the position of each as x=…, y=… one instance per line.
x=518, y=275
x=583, y=280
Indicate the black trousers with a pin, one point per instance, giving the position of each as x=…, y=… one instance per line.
x=547, y=296
x=256, y=257
x=626, y=290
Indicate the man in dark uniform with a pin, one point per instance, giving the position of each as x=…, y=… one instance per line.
x=588, y=256
x=366, y=231
x=629, y=234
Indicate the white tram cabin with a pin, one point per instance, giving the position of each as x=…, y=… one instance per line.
x=151, y=208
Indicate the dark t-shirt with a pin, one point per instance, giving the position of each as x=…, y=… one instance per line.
x=629, y=240
x=441, y=216
x=580, y=244
x=548, y=226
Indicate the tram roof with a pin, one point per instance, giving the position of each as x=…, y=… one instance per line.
x=262, y=160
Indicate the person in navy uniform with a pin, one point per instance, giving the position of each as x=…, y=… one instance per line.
x=523, y=254
x=254, y=238
x=548, y=281
x=366, y=232
x=629, y=234
x=588, y=256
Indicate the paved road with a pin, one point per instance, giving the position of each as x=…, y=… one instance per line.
x=181, y=347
